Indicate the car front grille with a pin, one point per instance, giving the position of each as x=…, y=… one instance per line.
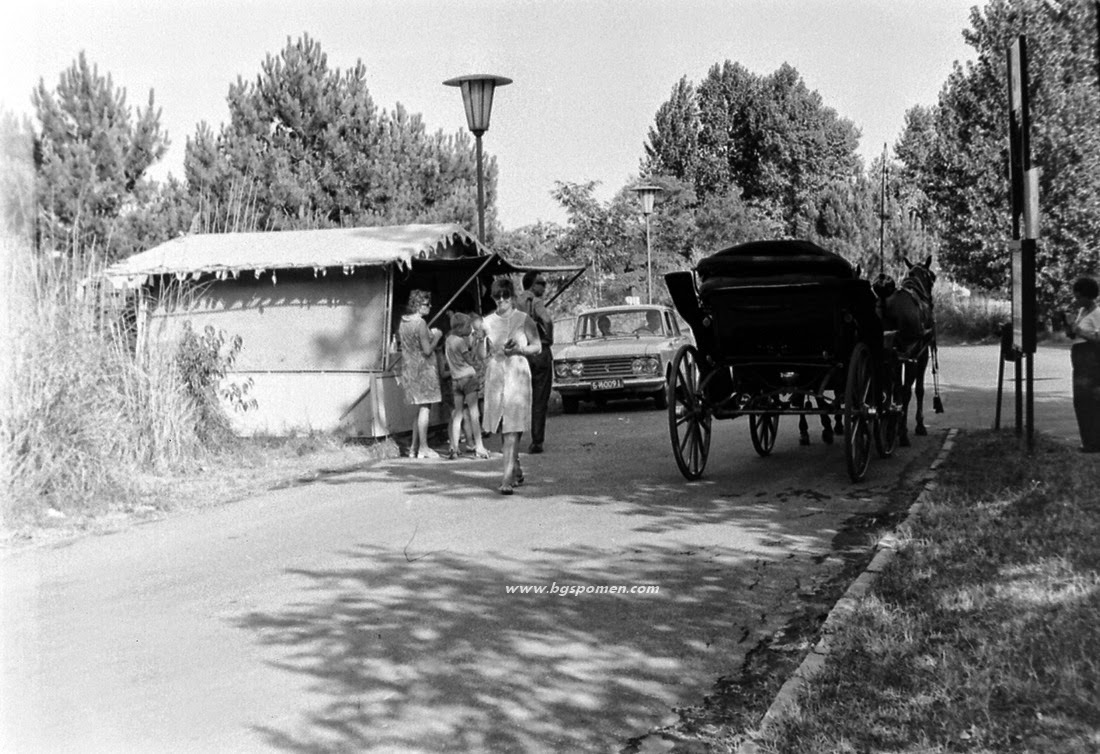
x=618, y=366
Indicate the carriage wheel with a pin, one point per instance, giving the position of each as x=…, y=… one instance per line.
x=886, y=431
x=888, y=423
x=763, y=428
x=688, y=415
x=859, y=412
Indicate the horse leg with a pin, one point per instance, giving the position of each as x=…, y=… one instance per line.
x=905, y=392
x=918, y=417
x=827, y=433
x=803, y=430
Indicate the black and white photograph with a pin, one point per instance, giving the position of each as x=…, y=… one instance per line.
x=526, y=376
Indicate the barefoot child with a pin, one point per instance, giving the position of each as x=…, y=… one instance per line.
x=460, y=358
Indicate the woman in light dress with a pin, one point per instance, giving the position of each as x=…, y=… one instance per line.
x=511, y=337
x=419, y=368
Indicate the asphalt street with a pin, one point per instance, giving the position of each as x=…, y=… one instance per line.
x=375, y=610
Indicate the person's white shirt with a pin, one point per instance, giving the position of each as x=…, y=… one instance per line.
x=1087, y=324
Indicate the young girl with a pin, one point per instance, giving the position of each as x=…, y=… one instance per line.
x=419, y=373
x=460, y=357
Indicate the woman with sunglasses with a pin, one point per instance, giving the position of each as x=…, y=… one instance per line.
x=512, y=336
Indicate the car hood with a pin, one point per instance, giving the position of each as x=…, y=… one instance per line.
x=614, y=347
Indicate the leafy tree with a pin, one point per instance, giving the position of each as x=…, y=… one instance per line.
x=306, y=146
x=963, y=171
x=595, y=235
x=768, y=137
x=673, y=146
x=92, y=152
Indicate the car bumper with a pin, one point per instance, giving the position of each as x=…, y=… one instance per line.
x=591, y=389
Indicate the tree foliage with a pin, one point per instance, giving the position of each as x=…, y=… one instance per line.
x=91, y=155
x=768, y=139
x=957, y=153
x=312, y=149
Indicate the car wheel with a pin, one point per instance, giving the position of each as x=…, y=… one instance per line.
x=570, y=405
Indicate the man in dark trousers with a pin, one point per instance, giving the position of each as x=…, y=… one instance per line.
x=542, y=364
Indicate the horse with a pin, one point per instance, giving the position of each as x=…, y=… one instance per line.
x=908, y=309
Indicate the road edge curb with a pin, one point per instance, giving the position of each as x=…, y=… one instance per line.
x=786, y=699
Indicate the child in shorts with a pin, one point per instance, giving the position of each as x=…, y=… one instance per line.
x=460, y=354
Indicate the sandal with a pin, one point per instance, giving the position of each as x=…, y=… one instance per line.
x=518, y=477
x=452, y=455
x=506, y=489
x=427, y=453
x=482, y=453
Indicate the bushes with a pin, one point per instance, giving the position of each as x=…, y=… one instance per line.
x=969, y=318
x=84, y=414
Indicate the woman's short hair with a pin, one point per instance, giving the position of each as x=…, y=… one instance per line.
x=417, y=298
x=1086, y=287
x=503, y=286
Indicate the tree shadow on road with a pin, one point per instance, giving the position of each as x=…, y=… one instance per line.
x=434, y=654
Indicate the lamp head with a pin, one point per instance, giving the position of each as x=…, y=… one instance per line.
x=647, y=194
x=477, y=96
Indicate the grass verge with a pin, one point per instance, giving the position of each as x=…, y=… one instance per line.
x=247, y=467
x=983, y=634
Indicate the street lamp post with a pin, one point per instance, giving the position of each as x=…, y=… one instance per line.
x=648, y=194
x=477, y=96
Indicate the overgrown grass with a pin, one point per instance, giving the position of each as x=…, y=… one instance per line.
x=93, y=423
x=83, y=415
x=983, y=634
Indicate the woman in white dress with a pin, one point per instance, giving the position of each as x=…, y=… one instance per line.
x=512, y=337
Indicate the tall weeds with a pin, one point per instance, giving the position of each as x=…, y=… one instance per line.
x=85, y=411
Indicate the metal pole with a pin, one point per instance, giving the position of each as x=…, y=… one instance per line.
x=882, y=218
x=1029, y=406
x=480, y=195
x=648, y=259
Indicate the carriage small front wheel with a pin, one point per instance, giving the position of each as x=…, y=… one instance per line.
x=689, y=416
x=763, y=429
x=859, y=412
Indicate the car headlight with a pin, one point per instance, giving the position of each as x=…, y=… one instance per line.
x=576, y=369
x=653, y=365
x=561, y=369
x=645, y=365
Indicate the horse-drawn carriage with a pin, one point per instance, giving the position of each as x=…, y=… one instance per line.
x=781, y=328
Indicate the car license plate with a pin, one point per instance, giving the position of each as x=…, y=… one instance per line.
x=606, y=384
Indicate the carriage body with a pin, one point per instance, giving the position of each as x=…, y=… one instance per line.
x=781, y=327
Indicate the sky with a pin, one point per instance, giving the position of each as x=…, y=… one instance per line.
x=588, y=77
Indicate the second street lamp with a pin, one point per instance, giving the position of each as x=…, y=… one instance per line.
x=648, y=194
x=477, y=96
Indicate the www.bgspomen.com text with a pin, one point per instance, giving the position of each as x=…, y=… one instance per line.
x=579, y=589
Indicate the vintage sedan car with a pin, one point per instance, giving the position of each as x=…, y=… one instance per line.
x=618, y=352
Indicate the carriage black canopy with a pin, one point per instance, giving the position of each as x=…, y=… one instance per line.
x=784, y=261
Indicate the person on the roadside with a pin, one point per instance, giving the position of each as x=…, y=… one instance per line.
x=419, y=368
x=542, y=364
x=1085, y=357
x=511, y=337
x=459, y=352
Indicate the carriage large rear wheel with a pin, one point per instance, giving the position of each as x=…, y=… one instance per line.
x=859, y=412
x=763, y=429
x=689, y=416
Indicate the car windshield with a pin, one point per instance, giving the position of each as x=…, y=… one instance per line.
x=630, y=323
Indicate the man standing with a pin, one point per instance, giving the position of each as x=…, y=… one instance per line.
x=542, y=363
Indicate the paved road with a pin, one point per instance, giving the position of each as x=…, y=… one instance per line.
x=370, y=611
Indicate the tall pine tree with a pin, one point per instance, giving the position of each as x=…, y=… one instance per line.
x=91, y=155
x=306, y=146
